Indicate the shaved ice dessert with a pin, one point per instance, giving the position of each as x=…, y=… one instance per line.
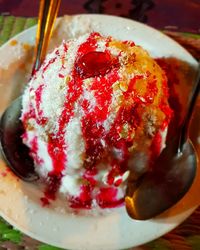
x=94, y=114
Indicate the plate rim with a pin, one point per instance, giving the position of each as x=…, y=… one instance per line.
x=31, y=30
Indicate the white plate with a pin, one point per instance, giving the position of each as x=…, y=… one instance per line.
x=19, y=201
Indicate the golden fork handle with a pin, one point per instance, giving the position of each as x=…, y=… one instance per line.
x=47, y=14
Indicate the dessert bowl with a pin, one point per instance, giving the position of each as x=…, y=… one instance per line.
x=87, y=230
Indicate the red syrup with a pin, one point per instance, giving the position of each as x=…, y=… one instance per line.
x=49, y=63
x=84, y=200
x=94, y=63
x=38, y=95
x=107, y=198
x=44, y=201
x=92, y=128
x=52, y=186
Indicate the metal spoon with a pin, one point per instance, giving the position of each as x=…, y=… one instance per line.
x=15, y=153
x=172, y=174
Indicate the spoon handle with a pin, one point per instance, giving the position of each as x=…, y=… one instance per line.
x=188, y=116
x=47, y=14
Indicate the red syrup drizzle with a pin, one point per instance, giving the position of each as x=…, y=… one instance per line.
x=107, y=198
x=95, y=64
x=41, y=120
x=49, y=63
x=92, y=129
x=52, y=186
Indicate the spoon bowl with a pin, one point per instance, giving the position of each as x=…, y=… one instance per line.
x=14, y=151
x=167, y=183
